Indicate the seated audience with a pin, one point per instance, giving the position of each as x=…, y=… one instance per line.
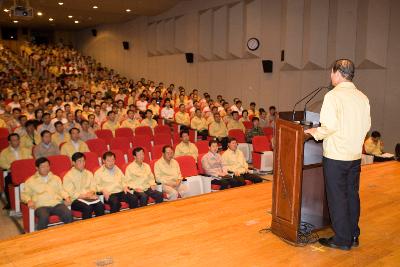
x=374, y=145
x=235, y=163
x=74, y=145
x=148, y=120
x=46, y=147
x=234, y=123
x=218, y=130
x=140, y=178
x=212, y=165
x=31, y=137
x=111, y=122
x=255, y=131
x=80, y=185
x=61, y=135
x=168, y=173
x=111, y=182
x=185, y=147
x=44, y=193
x=13, y=152
x=87, y=133
x=131, y=121
x=199, y=123
x=46, y=125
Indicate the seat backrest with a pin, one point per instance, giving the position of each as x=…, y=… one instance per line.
x=162, y=139
x=188, y=166
x=121, y=143
x=248, y=125
x=268, y=131
x=97, y=146
x=202, y=146
x=124, y=132
x=143, y=141
x=238, y=135
x=119, y=157
x=92, y=161
x=143, y=130
x=199, y=165
x=4, y=132
x=21, y=170
x=162, y=129
x=105, y=134
x=3, y=143
x=156, y=151
x=59, y=164
x=152, y=163
x=261, y=144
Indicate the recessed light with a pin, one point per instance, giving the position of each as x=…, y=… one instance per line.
x=12, y=37
x=15, y=21
x=128, y=10
x=70, y=16
x=6, y=10
x=51, y=19
x=76, y=21
x=39, y=13
x=60, y=3
x=95, y=7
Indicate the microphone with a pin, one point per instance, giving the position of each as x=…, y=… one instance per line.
x=294, y=107
x=304, y=121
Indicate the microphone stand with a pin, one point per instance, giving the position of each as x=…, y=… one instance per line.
x=294, y=107
x=304, y=121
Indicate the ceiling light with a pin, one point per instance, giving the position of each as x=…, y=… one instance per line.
x=128, y=10
x=95, y=7
x=15, y=21
x=39, y=13
x=60, y=3
x=70, y=16
x=51, y=19
x=6, y=10
x=12, y=37
x=76, y=21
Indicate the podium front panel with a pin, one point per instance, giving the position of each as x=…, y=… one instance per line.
x=287, y=185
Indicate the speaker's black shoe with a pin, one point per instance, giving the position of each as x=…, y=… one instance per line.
x=355, y=243
x=328, y=242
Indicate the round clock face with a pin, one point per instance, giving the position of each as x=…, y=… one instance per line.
x=253, y=44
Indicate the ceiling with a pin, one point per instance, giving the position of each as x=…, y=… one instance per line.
x=108, y=11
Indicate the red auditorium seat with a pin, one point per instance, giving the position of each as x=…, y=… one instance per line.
x=260, y=144
x=202, y=146
x=120, y=143
x=105, y=134
x=124, y=132
x=98, y=146
x=92, y=161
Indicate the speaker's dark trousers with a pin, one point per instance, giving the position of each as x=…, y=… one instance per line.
x=342, y=182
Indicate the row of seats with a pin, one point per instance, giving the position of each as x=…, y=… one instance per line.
x=60, y=164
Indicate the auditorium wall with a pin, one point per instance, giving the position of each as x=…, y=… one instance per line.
x=312, y=33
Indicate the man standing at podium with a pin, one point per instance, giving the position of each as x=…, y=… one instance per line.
x=345, y=120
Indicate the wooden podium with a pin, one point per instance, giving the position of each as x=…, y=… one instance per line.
x=298, y=190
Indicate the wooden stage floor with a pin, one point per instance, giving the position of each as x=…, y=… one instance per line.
x=218, y=229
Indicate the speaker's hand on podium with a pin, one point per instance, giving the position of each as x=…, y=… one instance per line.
x=310, y=133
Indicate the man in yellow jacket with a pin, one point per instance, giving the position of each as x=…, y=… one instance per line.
x=44, y=192
x=10, y=154
x=74, y=145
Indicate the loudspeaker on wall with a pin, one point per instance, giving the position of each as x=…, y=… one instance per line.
x=125, y=44
x=189, y=57
x=267, y=66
